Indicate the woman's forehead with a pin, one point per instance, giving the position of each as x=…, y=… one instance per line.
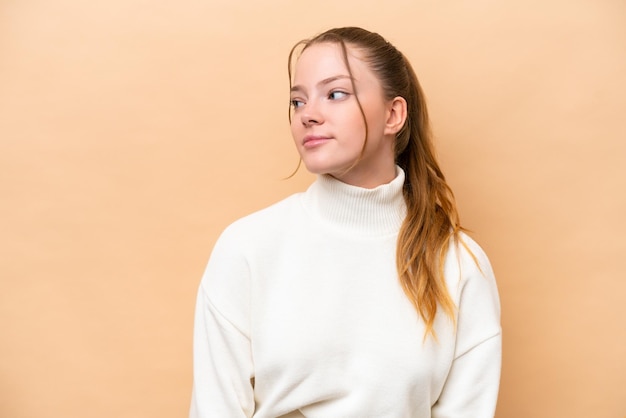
x=322, y=59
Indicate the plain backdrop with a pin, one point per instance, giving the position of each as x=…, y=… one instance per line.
x=133, y=131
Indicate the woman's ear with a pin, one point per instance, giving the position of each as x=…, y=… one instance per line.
x=396, y=116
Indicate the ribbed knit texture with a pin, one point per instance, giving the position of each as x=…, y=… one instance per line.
x=353, y=209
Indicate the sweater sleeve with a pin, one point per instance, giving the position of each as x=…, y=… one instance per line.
x=222, y=359
x=471, y=387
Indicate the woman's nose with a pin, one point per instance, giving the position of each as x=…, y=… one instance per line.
x=312, y=115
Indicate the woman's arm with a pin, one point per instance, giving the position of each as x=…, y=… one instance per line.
x=471, y=388
x=223, y=369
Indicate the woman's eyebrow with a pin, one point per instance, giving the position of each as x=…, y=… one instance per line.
x=322, y=82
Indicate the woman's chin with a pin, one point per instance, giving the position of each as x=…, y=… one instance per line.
x=323, y=167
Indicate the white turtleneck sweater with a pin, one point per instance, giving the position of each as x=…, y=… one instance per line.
x=300, y=314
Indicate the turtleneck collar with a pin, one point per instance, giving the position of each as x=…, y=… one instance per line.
x=356, y=210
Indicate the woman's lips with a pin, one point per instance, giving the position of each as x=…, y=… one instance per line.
x=312, y=141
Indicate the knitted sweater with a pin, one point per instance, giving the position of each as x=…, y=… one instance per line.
x=300, y=314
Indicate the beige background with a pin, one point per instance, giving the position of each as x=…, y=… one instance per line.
x=132, y=132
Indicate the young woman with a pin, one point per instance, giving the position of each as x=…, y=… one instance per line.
x=360, y=297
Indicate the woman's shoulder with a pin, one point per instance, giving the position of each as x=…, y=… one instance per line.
x=470, y=247
x=467, y=258
x=268, y=220
x=275, y=213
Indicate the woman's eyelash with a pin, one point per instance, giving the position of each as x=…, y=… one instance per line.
x=295, y=103
x=333, y=94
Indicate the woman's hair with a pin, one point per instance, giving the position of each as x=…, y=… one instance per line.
x=432, y=219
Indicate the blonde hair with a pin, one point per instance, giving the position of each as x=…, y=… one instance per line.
x=432, y=220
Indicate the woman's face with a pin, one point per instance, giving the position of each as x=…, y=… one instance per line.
x=327, y=125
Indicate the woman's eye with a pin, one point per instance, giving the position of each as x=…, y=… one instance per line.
x=295, y=103
x=336, y=95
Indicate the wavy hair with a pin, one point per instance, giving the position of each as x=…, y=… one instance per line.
x=432, y=219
